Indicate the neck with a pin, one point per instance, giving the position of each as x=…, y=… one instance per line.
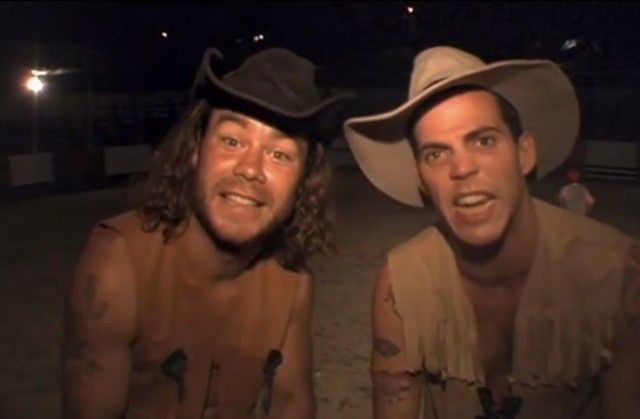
x=508, y=260
x=206, y=259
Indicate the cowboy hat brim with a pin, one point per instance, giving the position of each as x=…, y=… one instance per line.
x=538, y=89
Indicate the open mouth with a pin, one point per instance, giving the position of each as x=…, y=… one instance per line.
x=242, y=200
x=472, y=200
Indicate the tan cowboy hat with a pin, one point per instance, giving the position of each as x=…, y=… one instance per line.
x=541, y=93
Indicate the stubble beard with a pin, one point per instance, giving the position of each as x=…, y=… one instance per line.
x=476, y=254
x=198, y=205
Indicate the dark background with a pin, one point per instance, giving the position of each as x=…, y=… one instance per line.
x=122, y=40
x=121, y=82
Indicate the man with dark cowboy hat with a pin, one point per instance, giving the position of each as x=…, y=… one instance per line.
x=508, y=307
x=198, y=303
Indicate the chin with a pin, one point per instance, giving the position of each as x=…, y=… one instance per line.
x=478, y=236
x=238, y=238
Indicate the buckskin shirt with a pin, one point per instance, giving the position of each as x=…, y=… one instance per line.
x=568, y=313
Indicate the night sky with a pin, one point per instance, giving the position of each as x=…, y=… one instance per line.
x=122, y=43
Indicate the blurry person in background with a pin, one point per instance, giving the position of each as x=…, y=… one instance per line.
x=574, y=196
x=508, y=306
x=197, y=303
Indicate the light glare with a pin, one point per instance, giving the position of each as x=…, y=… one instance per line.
x=35, y=85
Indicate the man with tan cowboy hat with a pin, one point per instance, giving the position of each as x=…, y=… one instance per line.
x=508, y=306
x=197, y=304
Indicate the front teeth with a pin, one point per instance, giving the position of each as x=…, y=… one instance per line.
x=470, y=200
x=240, y=200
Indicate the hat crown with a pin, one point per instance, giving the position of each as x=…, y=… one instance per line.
x=274, y=85
x=279, y=77
x=438, y=64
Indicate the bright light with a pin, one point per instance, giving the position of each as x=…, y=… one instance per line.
x=35, y=85
x=410, y=9
x=37, y=73
x=259, y=37
x=164, y=34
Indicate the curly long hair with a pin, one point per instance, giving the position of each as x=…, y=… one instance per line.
x=163, y=197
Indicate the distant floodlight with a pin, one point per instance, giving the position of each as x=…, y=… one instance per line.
x=164, y=34
x=569, y=44
x=35, y=85
x=410, y=9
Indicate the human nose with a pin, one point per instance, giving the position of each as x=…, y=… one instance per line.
x=251, y=165
x=463, y=165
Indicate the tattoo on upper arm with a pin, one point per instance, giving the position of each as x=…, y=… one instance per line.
x=631, y=288
x=77, y=323
x=94, y=307
x=392, y=388
x=385, y=347
x=391, y=300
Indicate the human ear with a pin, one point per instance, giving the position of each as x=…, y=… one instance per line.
x=527, y=153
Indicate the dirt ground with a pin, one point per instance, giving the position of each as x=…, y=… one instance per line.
x=41, y=239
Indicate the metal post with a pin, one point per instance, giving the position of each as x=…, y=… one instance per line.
x=34, y=125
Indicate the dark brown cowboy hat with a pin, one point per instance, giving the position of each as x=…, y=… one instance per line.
x=274, y=85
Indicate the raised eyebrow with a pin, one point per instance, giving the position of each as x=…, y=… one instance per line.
x=225, y=116
x=430, y=145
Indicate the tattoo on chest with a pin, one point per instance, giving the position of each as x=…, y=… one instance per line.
x=174, y=367
x=385, y=347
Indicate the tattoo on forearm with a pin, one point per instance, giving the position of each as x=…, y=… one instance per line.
x=76, y=351
x=385, y=347
x=631, y=288
x=392, y=388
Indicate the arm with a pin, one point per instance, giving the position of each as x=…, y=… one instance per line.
x=396, y=389
x=99, y=326
x=620, y=384
x=293, y=396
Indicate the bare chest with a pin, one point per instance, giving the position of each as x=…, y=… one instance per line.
x=495, y=310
